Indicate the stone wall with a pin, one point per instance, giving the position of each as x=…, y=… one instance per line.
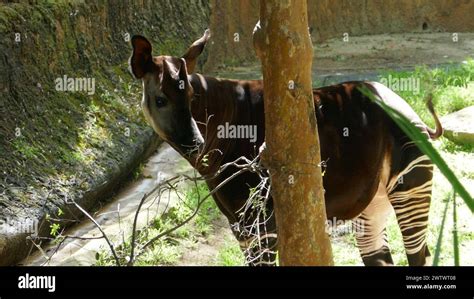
x=57, y=145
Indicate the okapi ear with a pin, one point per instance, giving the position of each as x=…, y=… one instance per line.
x=196, y=48
x=141, y=61
x=175, y=73
x=170, y=71
x=183, y=70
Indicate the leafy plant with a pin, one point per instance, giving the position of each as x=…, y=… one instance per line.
x=230, y=255
x=54, y=229
x=440, y=236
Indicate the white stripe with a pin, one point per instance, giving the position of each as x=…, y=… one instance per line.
x=413, y=164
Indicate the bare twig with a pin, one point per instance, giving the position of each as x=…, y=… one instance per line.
x=195, y=212
x=111, y=246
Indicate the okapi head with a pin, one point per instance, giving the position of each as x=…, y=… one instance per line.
x=167, y=93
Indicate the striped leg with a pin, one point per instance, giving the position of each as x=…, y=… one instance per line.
x=370, y=232
x=410, y=199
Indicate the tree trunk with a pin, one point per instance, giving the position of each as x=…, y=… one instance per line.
x=292, y=153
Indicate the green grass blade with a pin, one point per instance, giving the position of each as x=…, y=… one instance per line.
x=440, y=236
x=455, y=233
x=424, y=145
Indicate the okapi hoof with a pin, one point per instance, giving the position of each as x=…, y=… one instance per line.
x=380, y=258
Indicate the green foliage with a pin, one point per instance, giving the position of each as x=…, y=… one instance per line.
x=230, y=255
x=457, y=76
x=208, y=211
x=440, y=237
x=455, y=233
x=54, y=229
x=138, y=171
x=449, y=146
x=28, y=150
x=168, y=249
x=452, y=88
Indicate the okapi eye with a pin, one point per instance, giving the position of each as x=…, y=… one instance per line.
x=161, y=102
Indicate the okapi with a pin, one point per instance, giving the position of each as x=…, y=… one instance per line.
x=372, y=169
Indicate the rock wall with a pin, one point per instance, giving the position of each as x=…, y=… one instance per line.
x=333, y=18
x=58, y=145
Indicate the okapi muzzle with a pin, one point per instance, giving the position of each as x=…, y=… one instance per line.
x=371, y=167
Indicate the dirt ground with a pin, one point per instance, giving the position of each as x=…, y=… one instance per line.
x=363, y=57
x=206, y=250
x=394, y=51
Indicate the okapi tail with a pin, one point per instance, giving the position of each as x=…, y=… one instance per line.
x=434, y=134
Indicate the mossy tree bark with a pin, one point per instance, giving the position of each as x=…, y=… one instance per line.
x=292, y=152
